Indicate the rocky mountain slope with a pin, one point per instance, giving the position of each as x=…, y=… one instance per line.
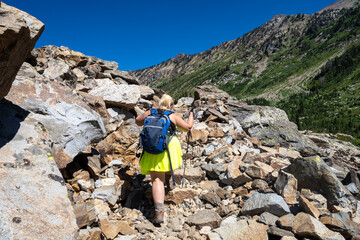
x=287, y=58
x=69, y=161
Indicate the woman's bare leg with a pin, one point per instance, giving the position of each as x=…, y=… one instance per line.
x=158, y=190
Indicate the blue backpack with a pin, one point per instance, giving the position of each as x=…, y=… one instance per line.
x=156, y=132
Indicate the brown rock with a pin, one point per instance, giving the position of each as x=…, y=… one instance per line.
x=241, y=191
x=83, y=234
x=125, y=229
x=241, y=179
x=82, y=217
x=211, y=118
x=288, y=238
x=332, y=223
x=278, y=163
x=233, y=174
x=308, y=207
x=206, y=92
x=265, y=167
x=217, y=133
x=255, y=141
x=341, y=222
x=205, y=218
x=18, y=32
x=110, y=228
x=193, y=175
x=76, y=187
x=286, y=186
x=94, y=164
x=95, y=234
x=101, y=208
x=318, y=200
x=207, y=185
x=81, y=174
x=289, y=153
x=217, y=115
x=286, y=221
x=199, y=135
x=244, y=230
x=281, y=151
x=259, y=184
x=177, y=195
x=307, y=226
x=255, y=171
x=97, y=103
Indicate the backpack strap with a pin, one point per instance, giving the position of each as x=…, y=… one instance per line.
x=168, y=112
x=153, y=111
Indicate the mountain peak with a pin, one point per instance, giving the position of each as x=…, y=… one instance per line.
x=340, y=5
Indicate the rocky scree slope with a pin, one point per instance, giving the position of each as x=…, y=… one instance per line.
x=248, y=167
x=68, y=127
x=288, y=61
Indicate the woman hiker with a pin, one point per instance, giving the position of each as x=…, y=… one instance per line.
x=157, y=165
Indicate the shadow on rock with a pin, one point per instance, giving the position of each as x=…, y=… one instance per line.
x=10, y=119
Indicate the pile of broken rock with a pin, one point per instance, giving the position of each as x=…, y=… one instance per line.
x=233, y=181
x=69, y=157
x=247, y=167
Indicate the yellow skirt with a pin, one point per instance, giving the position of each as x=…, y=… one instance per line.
x=160, y=162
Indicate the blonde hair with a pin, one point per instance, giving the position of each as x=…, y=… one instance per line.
x=166, y=102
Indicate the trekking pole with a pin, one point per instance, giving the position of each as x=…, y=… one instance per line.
x=186, y=154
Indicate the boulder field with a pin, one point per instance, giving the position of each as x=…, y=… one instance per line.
x=69, y=154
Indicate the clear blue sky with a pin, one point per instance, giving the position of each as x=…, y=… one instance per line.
x=141, y=33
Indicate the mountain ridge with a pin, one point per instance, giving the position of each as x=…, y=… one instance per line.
x=277, y=62
x=142, y=74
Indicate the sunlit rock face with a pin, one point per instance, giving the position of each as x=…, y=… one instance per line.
x=18, y=34
x=33, y=196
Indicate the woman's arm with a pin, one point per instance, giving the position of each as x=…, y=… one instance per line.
x=139, y=120
x=180, y=123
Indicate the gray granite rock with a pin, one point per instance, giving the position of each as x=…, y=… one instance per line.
x=124, y=96
x=271, y=202
x=271, y=126
x=314, y=174
x=33, y=196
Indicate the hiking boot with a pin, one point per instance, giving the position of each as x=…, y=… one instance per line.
x=159, y=218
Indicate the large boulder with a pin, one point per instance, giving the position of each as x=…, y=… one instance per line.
x=70, y=121
x=272, y=127
x=210, y=93
x=271, y=202
x=307, y=226
x=314, y=174
x=122, y=95
x=71, y=58
x=18, y=34
x=33, y=196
